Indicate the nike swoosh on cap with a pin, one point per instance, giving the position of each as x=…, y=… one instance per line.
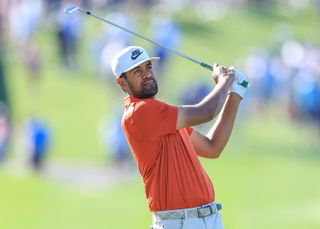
x=135, y=54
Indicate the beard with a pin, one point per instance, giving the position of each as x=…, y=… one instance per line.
x=149, y=88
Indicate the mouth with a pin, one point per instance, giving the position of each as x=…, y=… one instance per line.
x=148, y=83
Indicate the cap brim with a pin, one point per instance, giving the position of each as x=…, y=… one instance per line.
x=140, y=62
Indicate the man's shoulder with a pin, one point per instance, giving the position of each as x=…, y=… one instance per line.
x=145, y=109
x=146, y=104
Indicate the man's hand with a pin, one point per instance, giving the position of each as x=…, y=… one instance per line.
x=220, y=73
x=237, y=86
x=210, y=106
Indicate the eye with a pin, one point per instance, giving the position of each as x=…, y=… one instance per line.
x=137, y=71
x=149, y=67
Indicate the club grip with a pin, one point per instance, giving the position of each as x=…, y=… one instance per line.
x=209, y=67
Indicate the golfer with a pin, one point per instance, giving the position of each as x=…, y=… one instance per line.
x=166, y=147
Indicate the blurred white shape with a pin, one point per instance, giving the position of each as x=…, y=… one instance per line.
x=3, y=6
x=114, y=40
x=210, y=10
x=298, y=4
x=304, y=82
x=116, y=34
x=280, y=71
x=292, y=53
x=108, y=52
x=173, y=6
x=256, y=64
x=312, y=58
x=24, y=19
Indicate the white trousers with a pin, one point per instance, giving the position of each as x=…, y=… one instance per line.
x=210, y=222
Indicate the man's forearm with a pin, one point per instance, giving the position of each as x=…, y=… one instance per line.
x=210, y=106
x=221, y=130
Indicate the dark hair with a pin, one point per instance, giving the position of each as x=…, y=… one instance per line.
x=123, y=75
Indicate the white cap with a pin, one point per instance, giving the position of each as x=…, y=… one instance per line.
x=129, y=58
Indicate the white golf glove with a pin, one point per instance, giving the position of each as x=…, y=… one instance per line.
x=240, y=84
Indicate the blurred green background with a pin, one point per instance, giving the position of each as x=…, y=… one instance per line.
x=267, y=176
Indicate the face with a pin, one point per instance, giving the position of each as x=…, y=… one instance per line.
x=140, y=81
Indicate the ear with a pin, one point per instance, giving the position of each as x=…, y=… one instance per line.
x=122, y=83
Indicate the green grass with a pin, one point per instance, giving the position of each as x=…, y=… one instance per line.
x=266, y=178
x=270, y=188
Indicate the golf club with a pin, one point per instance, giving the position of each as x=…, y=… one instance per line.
x=72, y=9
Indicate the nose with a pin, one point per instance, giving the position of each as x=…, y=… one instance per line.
x=146, y=74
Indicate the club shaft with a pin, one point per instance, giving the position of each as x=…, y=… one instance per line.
x=147, y=39
x=204, y=65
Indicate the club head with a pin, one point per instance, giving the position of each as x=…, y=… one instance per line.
x=71, y=9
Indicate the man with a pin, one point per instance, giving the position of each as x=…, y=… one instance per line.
x=165, y=146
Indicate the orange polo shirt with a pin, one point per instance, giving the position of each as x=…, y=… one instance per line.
x=171, y=171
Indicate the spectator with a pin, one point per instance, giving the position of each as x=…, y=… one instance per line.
x=194, y=93
x=4, y=101
x=166, y=32
x=4, y=131
x=36, y=137
x=68, y=32
x=113, y=40
x=114, y=140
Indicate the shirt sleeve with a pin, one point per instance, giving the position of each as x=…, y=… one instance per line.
x=155, y=118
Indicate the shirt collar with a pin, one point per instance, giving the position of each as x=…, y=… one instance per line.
x=130, y=99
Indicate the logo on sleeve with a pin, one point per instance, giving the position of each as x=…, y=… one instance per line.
x=135, y=54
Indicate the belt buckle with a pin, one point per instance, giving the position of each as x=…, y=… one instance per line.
x=202, y=211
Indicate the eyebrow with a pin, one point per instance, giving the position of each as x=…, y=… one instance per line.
x=135, y=68
x=147, y=64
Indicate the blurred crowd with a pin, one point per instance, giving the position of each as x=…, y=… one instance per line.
x=288, y=73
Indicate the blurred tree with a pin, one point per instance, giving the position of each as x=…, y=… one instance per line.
x=3, y=89
x=263, y=4
x=4, y=102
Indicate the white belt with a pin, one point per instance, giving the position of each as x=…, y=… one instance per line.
x=199, y=212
